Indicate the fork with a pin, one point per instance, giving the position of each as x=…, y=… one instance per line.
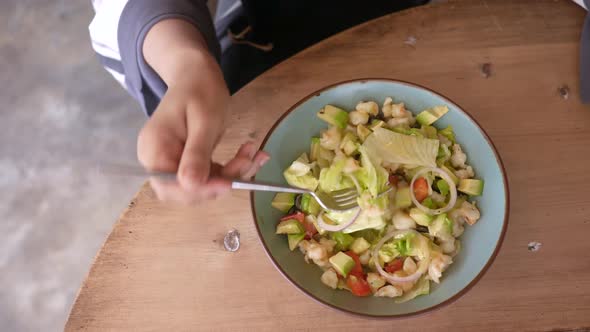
x=337, y=201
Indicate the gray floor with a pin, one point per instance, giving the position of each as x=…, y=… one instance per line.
x=59, y=109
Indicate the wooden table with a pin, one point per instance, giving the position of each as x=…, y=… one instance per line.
x=162, y=268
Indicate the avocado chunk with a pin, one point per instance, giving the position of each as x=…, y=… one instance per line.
x=342, y=263
x=403, y=198
x=283, y=201
x=420, y=217
x=349, y=144
x=362, y=132
x=312, y=219
x=360, y=245
x=427, y=117
x=471, y=187
x=290, y=226
x=343, y=240
x=314, y=150
x=429, y=203
x=334, y=116
x=376, y=124
x=309, y=205
x=294, y=240
x=441, y=227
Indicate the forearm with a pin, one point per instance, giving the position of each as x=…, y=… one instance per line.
x=177, y=51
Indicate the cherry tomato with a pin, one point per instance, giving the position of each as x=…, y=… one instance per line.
x=420, y=189
x=395, y=265
x=299, y=216
x=393, y=179
x=358, y=285
x=357, y=270
x=310, y=229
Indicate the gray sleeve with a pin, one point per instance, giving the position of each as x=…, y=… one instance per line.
x=137, y=18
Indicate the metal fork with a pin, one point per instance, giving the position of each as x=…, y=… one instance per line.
x=339, y=201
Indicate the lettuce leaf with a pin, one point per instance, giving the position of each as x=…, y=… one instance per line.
x=333, y=178
x=364, y=221
x=429, y=132
x=306, y=181
x=397, y=148
x=443, y=187
x=422, y=287
x=448, y=133
x=299, y=174
x=402, y=246
x=371, y=176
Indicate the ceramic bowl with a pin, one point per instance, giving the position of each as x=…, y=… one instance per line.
x=291, y=135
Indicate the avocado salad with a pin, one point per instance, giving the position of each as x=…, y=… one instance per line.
x=415, y=194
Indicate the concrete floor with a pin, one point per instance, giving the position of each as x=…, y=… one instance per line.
x=59, y=110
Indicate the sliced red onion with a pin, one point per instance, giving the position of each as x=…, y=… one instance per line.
x=422, y=265
x=444, y=176
x=429, y=186
x=337, y=228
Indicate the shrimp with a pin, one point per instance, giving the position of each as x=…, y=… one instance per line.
x=330, y=278
x=375, y=281
x=466, y=173
x=402, y=221
x=438, y=265
x=458, y=157
x=368, y=107
x=358, y=118
x=389, y=291
x=387, y=108
x=466, y=213
x=331, y=139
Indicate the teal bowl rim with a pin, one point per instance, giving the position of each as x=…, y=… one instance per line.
x=429, y=309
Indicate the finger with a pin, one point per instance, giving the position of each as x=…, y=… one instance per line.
x=236, y=167
x=259, y=160
x=217, y=187
x=172, y=191
x=168, y=191
x=241, y=162
x=247, y=150
x=196, y=157
x=158, y=147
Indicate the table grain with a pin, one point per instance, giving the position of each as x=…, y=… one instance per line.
x=163, y=268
